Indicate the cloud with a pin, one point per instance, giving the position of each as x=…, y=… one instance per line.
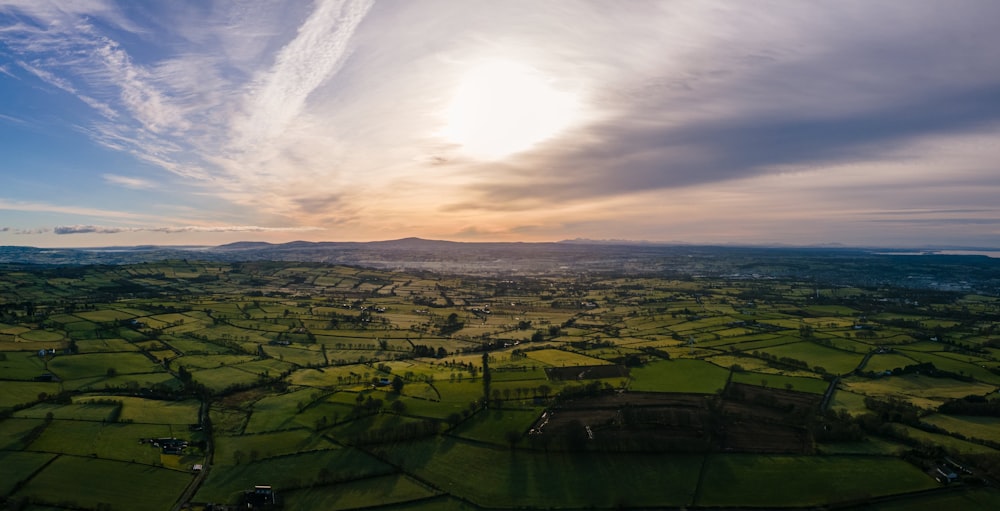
x=312, y=57
x=129, y=182
x=82, y=229
x=14, y=230
x=100, y=229
x=777, y=90
x=63, y=84
x=331, y=112
x=46, y=207
x=13, y=120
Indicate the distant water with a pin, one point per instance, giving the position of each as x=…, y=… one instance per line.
x=987, y=253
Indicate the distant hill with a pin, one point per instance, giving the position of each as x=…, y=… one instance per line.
x=918, y=269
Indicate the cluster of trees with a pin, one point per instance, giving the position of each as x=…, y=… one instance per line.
x=972, y=405
x=775, y=361
x=420, y=350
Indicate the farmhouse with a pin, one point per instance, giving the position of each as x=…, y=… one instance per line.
x=945, y=475
x=168, y=445
x=260, y=497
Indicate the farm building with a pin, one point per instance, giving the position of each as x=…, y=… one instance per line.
x=260, y=497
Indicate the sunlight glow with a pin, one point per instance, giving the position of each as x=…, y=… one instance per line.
x=502, y=108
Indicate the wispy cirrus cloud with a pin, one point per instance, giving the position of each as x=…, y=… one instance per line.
x=46, y=207
x=201, y=113
x=61, y=83
x=129, y=182
x=277, y=96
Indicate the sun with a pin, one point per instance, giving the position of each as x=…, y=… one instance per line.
x=501, y=108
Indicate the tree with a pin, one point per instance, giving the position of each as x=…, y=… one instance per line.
x=487, y=377
x=397, y=384
x=398, y=407
x=512, y=438
x=544, y=390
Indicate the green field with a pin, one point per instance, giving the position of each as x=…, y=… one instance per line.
x=492, y=426
x=683, y=375
x=83, y=481
x=804, y=480
x=533, y=479
x=288, y=472
x=229, y=450
x=778, y=381
x=73, y=367
x=985, y=428
x=376, y=491
x=16, y=466
x=309, y=415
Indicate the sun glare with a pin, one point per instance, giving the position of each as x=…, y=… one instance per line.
x=502, y=108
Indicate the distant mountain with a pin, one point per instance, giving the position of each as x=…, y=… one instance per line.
x=244, y=245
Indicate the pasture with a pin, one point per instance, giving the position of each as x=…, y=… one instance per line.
x=232, y=450
x=75, y=367
x=16, y=466
x=555, y=479
x=681, y=375
x=83, y=481
x=288, y=472
x=790, y=481
x=364, y=493
x=985, y=428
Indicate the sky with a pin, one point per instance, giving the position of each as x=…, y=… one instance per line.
x=860, y=123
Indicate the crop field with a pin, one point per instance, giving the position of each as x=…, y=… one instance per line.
x=924, y=391
x=347, y=388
